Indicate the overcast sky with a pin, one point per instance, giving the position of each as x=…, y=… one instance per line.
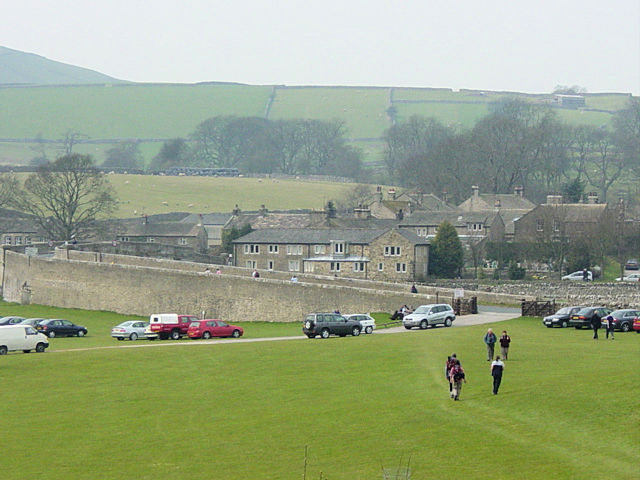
x=523, y=45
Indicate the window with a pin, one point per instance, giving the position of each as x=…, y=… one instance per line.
x=294, y=249
x=124, y=239
x=381, y=267
x=294, y=265
x=151, y=240
x=338, y=247
x=358, y=267
x=310, y=267
x=18, y=240
x=183, y=241
x=319, y=249
x=270, y=265
x=539, y=225
x=391, y=251
x=27, y=240
x=335, y=266
x=556, y=225
x=401, y=267
x=421, y=232
x=273, y=248
x=476, y=227
x=6, y=240
x=250, y=264
x=251, y=249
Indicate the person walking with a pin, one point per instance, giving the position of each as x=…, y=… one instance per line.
x=456, y=377
x=490, y=340
x=596, y=324
x=608, y=323
x=451, y=361
x=505, y=340
x=497, y=367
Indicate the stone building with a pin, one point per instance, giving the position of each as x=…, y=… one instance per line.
x=166, y=233
x=470, y=226
x=387, y=254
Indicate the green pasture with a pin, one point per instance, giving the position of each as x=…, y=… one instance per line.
x=613, y=102
x=463, y=114
x=362, y=109
x=568, y=408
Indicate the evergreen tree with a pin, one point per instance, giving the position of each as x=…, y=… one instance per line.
x=446, y=256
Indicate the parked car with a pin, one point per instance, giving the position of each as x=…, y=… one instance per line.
x=623, y=319
x=429, y=315
x=632, y=277
x=57, y=327
x=583, y=317
x=11, y=320
x=636, y=325
x=21, y=337
x=325, y=324
x=632, y=264
x=31, y=321
x=367, y=322
x=170, y=325
x=561, y=317
x=213, y=328
x=131, y=329
x=579, y=276
x=150, y=334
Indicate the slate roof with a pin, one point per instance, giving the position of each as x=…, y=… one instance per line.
x=271, y=220
x=164, y=229
x=579, y=212
x=208, y=219
x=419, y=219
x=311, y=236
x=487, y=201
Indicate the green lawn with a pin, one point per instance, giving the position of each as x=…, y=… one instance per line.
x=464, y=114
x=567, y=409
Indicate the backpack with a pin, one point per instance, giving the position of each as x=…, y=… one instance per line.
x=458, y=376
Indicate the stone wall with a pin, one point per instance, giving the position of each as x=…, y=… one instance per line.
x=142, y=286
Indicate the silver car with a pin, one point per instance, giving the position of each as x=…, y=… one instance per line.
x=429, y=315
x=132, y=329
x=368, y=323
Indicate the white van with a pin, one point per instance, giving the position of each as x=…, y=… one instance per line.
x=21, y=337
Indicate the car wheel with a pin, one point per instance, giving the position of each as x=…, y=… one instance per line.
x=51, y=334
x=119, y=338
x=133, y=336
x=175, y=335
x=448, y=322
x=424, y=324
x=564, y=324
x=407, y=327
x=625, y=327
x=206, y=335
x=549, y=326
x=324, y=333
x=26, y=351
x=40, y=348
x=368, y=330
x=3, y=350
x=236, y=334
x=311, y=336
x=578, y=327
x=355, y=331
x=81, y=333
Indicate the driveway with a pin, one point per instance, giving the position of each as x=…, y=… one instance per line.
x=468, y=320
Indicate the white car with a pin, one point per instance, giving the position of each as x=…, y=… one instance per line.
x=579, y=276
x=429, y=315
x=368, y=323
x=132, y=329
x=632, y=277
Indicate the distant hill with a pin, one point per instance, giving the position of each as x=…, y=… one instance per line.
x=22, y=68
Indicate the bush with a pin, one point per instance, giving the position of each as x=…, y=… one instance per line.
x=516, y=272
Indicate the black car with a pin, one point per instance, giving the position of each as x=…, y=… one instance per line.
x=325, y=324
x=10, y=320
x=561, y=317
x=583, y=317
x=623, y=319
x=57, y=327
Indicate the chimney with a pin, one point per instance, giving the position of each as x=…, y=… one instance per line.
x=497, y=203
x=362, y=212
x=236, y=210
x=145, y=219
x=519, y=191
x=444, y=196
x=476, y=191
x=379, y=193
x=392, y=193
x=592, y=198
x=263, y=211
x=400, y=215
x=553, y=199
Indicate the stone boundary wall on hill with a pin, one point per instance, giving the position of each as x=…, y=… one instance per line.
x=116, y=284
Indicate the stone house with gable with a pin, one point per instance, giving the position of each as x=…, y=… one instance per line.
x=387, y=254
x=180, y=234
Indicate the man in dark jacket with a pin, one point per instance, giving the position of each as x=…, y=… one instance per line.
x=596, y=323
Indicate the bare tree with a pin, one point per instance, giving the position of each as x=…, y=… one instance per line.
x=66, y=196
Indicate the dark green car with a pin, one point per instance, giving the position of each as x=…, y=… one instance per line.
x=325, y=324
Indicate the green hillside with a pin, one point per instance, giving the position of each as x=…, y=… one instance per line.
x=22, y=68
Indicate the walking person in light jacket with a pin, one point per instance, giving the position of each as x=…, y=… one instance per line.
x=490, y=340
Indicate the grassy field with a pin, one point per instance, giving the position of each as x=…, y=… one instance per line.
x=567, y=409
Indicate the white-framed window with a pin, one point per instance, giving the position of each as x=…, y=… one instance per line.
x=338, y=247
x=421, y=232
x=270, y=265
x=18, y=240
x=6, y=240
x=294, y=265
x=294, y=249
x=358, y=267
x=310, y=267
x=401, y=267
x=476, y=227
x=183, y=241
x=151, y=240
x=335, y=266
x=273, y=248
x=381, y=267
x=539, y=225
x=319, y=249
x=391, y=251
x=124, y=239
x=27, y=240
x=250, y=264
x=251, y=249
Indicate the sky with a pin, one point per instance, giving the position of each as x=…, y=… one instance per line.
x=525, y=45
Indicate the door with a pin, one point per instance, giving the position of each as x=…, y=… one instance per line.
x=66, y=327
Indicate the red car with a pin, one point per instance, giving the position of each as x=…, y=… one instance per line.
x=636, y=324
x=213, y=328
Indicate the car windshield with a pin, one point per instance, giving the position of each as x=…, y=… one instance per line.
x=422, y=309
x=125, y=324
x=563, y=311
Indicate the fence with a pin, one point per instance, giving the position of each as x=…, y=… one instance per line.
x=538, y=308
